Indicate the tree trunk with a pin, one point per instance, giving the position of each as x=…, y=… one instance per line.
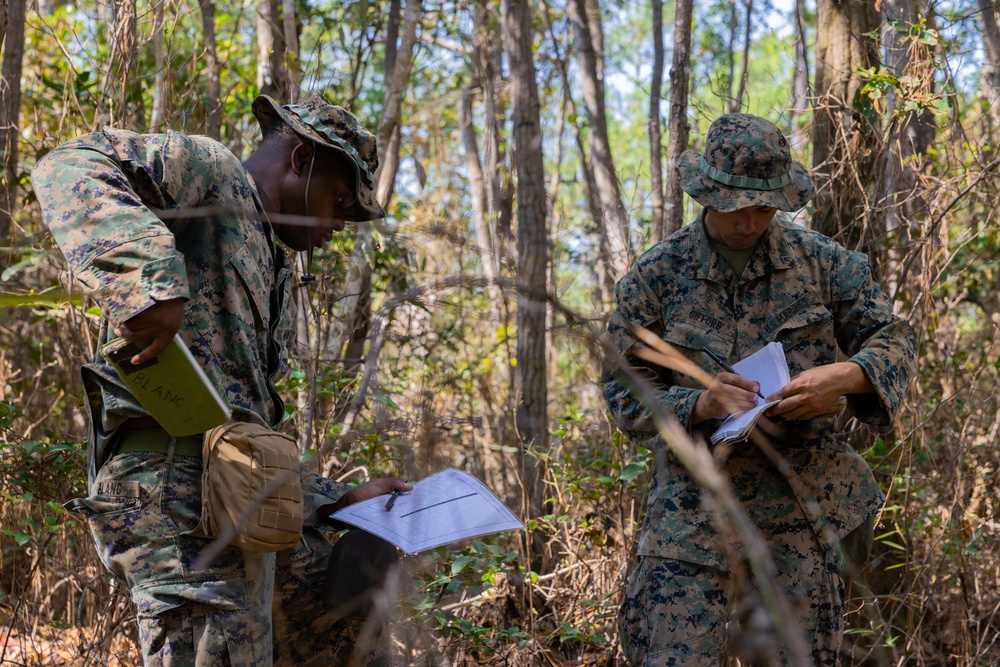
x=160, y=93
x=126, y=103
x=293, y=67
x=678, y=127
x=213, y=88
x=734, y=24
x=392, y=34
x=477, y=189
x=989, y=16
x=800, y=77
x=655, y=140
x=272, y=77
x=745, y=67
x=10, y=107
x=392, y=110
x=845, y=133
x=604, y=276
x=3, y=22
x=907, y=141
x=355, y=307
x=489, y=56
x=614, y=218
x=532, y=248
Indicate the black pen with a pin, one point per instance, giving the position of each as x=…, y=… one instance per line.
x=717, y=359
x=392, y=500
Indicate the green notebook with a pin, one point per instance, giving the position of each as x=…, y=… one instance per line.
x=172, y=387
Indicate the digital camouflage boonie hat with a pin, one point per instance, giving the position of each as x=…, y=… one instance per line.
x=746, y=163
x=315, y=119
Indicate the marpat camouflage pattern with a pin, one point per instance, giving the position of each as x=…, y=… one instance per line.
x=100, y=195
x=819, y=301
x=103, y=196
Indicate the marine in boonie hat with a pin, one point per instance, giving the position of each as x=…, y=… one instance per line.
x=315, y=119
x=746, y=163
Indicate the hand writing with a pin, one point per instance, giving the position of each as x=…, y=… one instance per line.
x=727, y=394
x=372, y=489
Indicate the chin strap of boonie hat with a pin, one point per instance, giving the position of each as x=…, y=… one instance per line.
x=314, y=123
x=308, y=277
x=736, y=181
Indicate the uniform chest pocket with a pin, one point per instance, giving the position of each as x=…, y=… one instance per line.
x=804, y=330
x=256, y=284
x=232, y=317
x=801, y=314
x=691, y=338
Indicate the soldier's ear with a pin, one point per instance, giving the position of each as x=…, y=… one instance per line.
x=300, y=156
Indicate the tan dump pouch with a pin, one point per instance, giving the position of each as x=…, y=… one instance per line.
x=251, y=488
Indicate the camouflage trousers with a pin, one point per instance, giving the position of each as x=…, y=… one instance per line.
x=681, y=614
x=141, y=506
x=677, y=613
x=305, y=635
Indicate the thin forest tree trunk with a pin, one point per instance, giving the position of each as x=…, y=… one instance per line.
x=532, y=249
x=678, y=127
x=393, y=108
x=845, y=144
x=3, y=21
x=392, y=34
x=989, y=16
x=487, y=56
x=213, y=88
x=500, y=193
x=156, y=114
x=605, y=279
x=10, y=107
x=355, y=306
x=293, y=66
x=734, y=24
x=272, y=77
x=489, y=465
x=127, y=108
x=595, y=25
x=908, y=139
x=614, y=219
x=741, y=89
x=800, y=77
x=655, y=140
x=477, y=189
x=483, y=57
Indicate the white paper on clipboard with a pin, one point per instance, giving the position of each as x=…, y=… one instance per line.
x=445, y=507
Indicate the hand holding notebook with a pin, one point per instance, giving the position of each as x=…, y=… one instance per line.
x=768, y=368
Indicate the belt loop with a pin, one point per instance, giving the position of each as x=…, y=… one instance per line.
x=171, y=445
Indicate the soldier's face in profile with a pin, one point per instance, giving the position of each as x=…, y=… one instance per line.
x=330, y=196
x=739, y=229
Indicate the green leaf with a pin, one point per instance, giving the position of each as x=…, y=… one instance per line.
x=460, y=562
x=631, y=471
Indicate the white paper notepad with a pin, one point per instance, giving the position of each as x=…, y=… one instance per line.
x=447, y=506
x=767, y=367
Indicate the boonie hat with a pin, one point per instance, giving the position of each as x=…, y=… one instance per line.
x=746, y=163
x=315, y=119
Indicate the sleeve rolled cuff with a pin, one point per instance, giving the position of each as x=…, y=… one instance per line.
x=130, y=293
x=875, y=413
x=681, y=402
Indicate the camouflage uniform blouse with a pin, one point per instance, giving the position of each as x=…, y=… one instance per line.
x=799, y=288
x=112, y=200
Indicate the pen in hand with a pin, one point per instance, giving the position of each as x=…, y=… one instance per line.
x=717, y=359
x=392, y=500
